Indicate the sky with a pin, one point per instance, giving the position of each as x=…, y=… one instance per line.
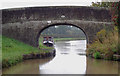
x=5, y=4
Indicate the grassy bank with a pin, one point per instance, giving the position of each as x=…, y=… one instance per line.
x=12, y=51
x=67, y=39
x=105, y=46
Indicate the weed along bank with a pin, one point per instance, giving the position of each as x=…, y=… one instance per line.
x=105, y=46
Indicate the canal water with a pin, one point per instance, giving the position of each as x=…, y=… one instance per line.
x=70, y=59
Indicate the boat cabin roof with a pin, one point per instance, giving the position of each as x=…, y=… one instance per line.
x=47, y=37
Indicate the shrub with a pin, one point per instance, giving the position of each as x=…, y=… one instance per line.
x=101, y=35
x=109, y=54
x=97, y=55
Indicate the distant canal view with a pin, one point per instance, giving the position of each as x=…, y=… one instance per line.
x=70, y=59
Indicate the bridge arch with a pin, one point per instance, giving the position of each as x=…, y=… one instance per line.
x=26, y=24
x=59, y=24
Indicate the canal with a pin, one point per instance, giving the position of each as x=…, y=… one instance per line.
x=70, y=59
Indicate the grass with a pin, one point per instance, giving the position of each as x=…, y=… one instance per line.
x=105, y=45
x=12, y=51
x=67, y=39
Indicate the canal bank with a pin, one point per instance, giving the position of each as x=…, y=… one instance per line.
x=51, y=53
x=105, y=46
x=14, y=51
x=113, y=57
x=68, y=39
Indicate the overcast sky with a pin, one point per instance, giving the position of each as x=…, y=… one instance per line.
x=39, y=3
x=32, y=3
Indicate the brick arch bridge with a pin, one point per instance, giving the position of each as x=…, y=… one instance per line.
x=26, y=24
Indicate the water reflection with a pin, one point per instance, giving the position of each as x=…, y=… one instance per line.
x=26, y=67
x=101, y=66
x=67, y=60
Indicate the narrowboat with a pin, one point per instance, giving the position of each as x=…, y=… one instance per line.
x=48, y=41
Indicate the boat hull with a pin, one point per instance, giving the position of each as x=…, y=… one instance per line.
x=48, y=43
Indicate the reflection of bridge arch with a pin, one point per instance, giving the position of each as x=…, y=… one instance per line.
x=26, y=24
